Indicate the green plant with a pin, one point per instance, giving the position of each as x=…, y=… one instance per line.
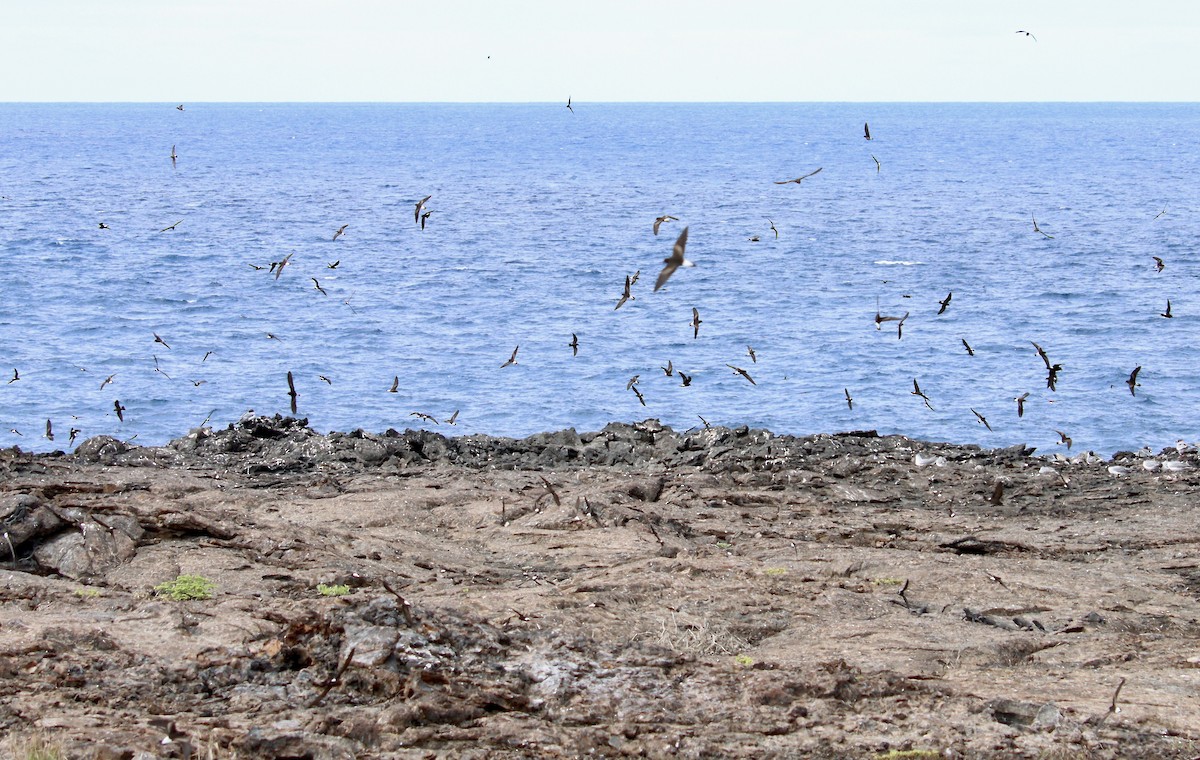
x=187, y=587
x=87, y=592
x=744, y=660
x=338, y=590
x=775, y=571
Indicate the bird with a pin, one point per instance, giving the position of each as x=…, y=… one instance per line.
x=773, y=229
x=1038, y=229
x=641, y=399
x=273, y=336
x=71, y=435
x=103, y=226
x=687, y=379
x=1052, y=370
x=423, y=416
x=982, y=419
x=878, y=166
x=206, y=355
x=174, y=156
x=1167, y=313
x=1027, y=34
x=695, y=323
x=1064, y=438
x=452, y=419
x=1160, y=213
x=425, y=217
x=946, y=302
x=1021, y=404
x=326, y=379
x=179, y=107
x=278, y=267
x=292, y=391
x=634, y=279
x=16, y=376
x=798, y=180
x=754, y=238
x=632, y=381
x=512, y=359
x=158, y=339
x=395, y=385
x=171, y=227
x=674, y=261
x=916, y=391
x=420, y=205
x=119, y=409
x=574, y=344
x=572, y=110
x=966, y=345
x=849, y=400
x=334, y=265
x=664, y=218
x=704, y=422
x=1158, y=264
x=49, y=431
x=669, y=369
x=866, y=130
x=340, y=231
x=751, y=354
x=742, y=372
x=626, y=296
x=107, y=380
x=255, y=267
x=317, y=285
x=157, y=368
x=1132, y=381
x=198, y=383
x=900, y=326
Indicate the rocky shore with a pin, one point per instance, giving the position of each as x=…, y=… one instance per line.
x=634, y=591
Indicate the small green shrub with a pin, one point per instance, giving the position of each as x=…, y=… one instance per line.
x=87, y=592
x=339, y=590
x=187, y=587
x=744, y=660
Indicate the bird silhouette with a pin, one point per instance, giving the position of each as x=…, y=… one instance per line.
x=798, y=180
x=1038, y=229
x=945, y=303
x=395, y=385
x=292, y=391
x=512, y=359
x=916, y=391
x=686, y=379
x=982, y=420
x=625, y=296
x=1158, y=264
x=1167, y=313
x=664, y=218
x=171, y=227
x=572, y=110
x=340, y=231
x=674, y=261
x=866, y=131
x=641, y=399
x=1027, y=34
x=966, y=345
x=1132, y=381
x=574, y=344
x=158, y=339
x=119, y=409
x=1021, y=404
x=742, y=372
x=849, y=400
x=695, y=323
x=1064, y=438
x=317, y=285
x=420, y=205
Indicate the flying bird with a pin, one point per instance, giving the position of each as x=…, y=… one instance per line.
x=574, y=344
x=179, y=107
x=695, y=323
x=49, y=431
x=71, y=435
x=626, y=296
x=1027, y=34
x=174, y=156
x=687, y=379
x=292, y=391
x=866, y=130
x=119, y=410
x=340, y=231
x=317, y=285
x=107, y=380
x=395, y=385
x=1021, y=404
x=420, y=205
x=966, y=345
x=665, y=218
x=798, y=180
x=1158, y=264
x=17, y=376
x=512, y=359
x=168, y=229
x=425, y=417
x=878, y=166
x=103, y=226
x=1167, y=313
x=572, y=110
x=206, y=355
x=982, y=420
x=916, y=391
x=669, y=369
x=849, y=400
x=326, y=379
x=334, y=265
x=453, y=419
x=1064, y=438
x=1132, y=381
x=1038, y=229
x=632, y=381
x=754, y=238
x=946, y=302
x=751, y=354
x=773, y=229
x=674, y=261
x=158, y=339
x=425, y=217
x=900, y=326
x=278, y=266
x=641, y=399
x=742, y=372
x=1160, y=213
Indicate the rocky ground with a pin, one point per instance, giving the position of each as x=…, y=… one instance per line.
x=631, y=592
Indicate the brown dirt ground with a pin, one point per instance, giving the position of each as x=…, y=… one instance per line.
x=836, y=606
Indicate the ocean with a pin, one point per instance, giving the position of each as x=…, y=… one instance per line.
x=538, y=215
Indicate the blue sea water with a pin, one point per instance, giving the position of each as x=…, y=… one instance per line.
x=538, y=216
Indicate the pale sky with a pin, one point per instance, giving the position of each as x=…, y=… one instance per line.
x=598, y=50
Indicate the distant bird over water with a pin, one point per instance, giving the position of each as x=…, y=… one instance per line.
x=420, y=205
x=171, y=227
x=340, y=231
x=292, y=391
x=572, y=110
x=695, y=323
x=1027, y=34
x=742, y=372
x=773, y=229
x=1021, y=404
x=674, y=261
x=798, y=180
x=626, y=296
x=916, y=391
x=982, y=420
x=174, y=156
x=1167, y=313
x=574, y=344
x=119, y=409
x=1158, y=264
x=1038, y=229
x=1132, y=381
x=512, y=359
x=17, y=376
x=866, y=131
x=849, y=399
x=664, y=218
x=946, y=302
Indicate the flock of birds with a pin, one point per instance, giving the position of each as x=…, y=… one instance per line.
x=671, y=264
